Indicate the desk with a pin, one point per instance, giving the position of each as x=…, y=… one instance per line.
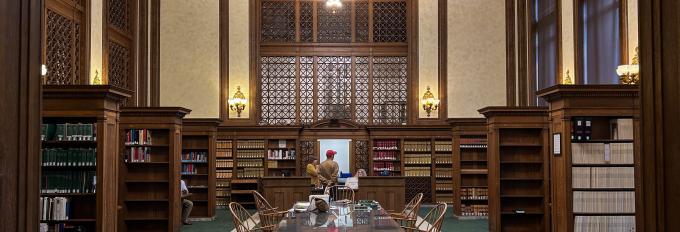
x=334, y=220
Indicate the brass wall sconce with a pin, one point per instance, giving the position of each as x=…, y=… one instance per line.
x=238, y=102
x=429, y=102
x=629, y=74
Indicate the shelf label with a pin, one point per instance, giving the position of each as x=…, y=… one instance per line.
x=557, y=143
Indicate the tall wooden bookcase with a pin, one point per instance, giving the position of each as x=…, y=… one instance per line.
x=518, y=146
x=98, y=108
x=198, y=164
x=599, y=159
x=149, y=188
x=470, y=154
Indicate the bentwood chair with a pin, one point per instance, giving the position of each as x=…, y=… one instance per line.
x=269, y=216
x=432, y=222
x=409, y=216
x=244, y=222
x=341, y=193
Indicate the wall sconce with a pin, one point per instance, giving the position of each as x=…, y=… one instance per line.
x=567, y=79
x=96, y=80
x=334, y=5
x=429, y=102
x=629, y=74
x=238, y=102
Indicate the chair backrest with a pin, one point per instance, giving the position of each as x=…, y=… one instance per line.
x=411, y=209
x=261, y=203
x=338, y=193
x=432, y=222
x=243, y=221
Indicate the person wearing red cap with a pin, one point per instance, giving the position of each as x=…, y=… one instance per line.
x=328, y=170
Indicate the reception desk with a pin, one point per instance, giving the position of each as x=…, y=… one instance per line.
x=283, y=192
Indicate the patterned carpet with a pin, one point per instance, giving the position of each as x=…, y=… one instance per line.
x=223, y=223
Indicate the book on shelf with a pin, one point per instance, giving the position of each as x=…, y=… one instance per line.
x=474, y=210
x=602, y=153
x=250, y=172
x=474, y=193
x=224, y=144
x=55, y=208
x=281, y=154
x=195, y=156
x=417, y=159
x=417, y=146
x=622, y=128
x=386, y=145
x=384, y=166
x=189, y=169
x=386, y=155
x=250, y=154
x=250, y=144
x=603, y=177
x=444, y=198
x=443, y=173
x=68, y=132
x=138, y=137
x=444, y=160
x=61, y=227
x=249, y=163
x=223, y=174
x=473, y=141
x=69, y=157
x=604, y=223
x=137, y=154
x=224, y=164
x=443, y=146
x=416, y=171
x=223, y=154
x=68, y=182
x=614, y=202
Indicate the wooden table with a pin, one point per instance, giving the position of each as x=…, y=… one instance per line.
x=337, y=219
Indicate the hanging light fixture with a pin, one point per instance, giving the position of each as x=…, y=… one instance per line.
x=334, y=5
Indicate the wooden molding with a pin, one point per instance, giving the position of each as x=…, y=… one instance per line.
x=155, y=52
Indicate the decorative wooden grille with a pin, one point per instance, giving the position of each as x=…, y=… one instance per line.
x=63, y=43
x=389, y=22
x=306, y=22
x=327, y=86
x=277, y=77
x=119, y=65
x=334, y=27
x=119, y=14
x=306, y=154
x=361, y=26
x=361, y=155
x=415, y=185
x=120, y=46
x=278, y=21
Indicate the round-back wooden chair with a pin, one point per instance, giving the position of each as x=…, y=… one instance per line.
x=243, y=221
x=269, y=216
x=432, y=222
x=341, y=193
x=409, y=216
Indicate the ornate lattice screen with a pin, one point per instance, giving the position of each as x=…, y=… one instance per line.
x=64, y=42
x=361, y=154
x=349, y=63
x=120, y=47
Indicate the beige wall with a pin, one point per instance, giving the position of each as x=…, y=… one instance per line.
x=96, y=27
x=632, y=28
x=428, y=51
x=568, y=44
x=476, y=56
x=189, y=56
x=239, y=55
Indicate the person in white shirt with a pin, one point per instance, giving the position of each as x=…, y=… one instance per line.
x=187, y=205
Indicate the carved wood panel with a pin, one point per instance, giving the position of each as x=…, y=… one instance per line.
x=306, y=154
x=389, y=21
x=64, y=43
x=277, y=90
x=361, y=155
x=120, y=49
x=334, y=25
x=390, y=90
x=361, y=27
x=278, y=21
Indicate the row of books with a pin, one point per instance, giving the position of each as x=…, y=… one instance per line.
x=195, y=157
x=223, y=154
x=189, y=169
x=474, y=193
x=55, y=208
x=473, y=146
x=443, y=146
x=138, y=137
x=250, y=154
x=443, y=173
x=221, y=202
x=250, y=144
x=603, y=177
x=622, y=128
x=444, y=198
x=249, y=163
x=250, y=173
x=443, y=185
x=68, y=132
x=223, y=174
x=275, y=164
x=602, y=153
x=417, y=171
x=382, y=166
x=604, y=223
x=604, y=202
x=70, y=157
x=68, y=182
x=417, y=146
x=61, y=227
x=443, y=160
x=222, y=194
x=281, y=154
x=386, y=155
x=581, y=128
x=222, y=184
x=473, y=141
x=224, y=164
x=474, y=210
x=137, y=154
x=223, y=144
x=417, y=159
x=386, y=145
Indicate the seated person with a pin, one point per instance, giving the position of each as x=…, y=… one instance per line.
x=187, y=205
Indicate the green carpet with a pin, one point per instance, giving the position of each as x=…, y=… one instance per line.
x=223, y=222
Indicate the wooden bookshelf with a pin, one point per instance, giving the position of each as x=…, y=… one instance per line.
x=282, y=157
x=149, y=188
x=417, y=156
x=606, y=145
x=198, y=165
x=82, y=149
x=224, y=171
x=470, y=178
x=386, y=157
x=518, y=193
x=443, y=170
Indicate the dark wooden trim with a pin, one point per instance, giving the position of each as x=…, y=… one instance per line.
x=155, y=52
x=578, y=40
x=413, y=110
x=143, y=54
x=510, y=59
x=443, y=58
x=87, y=49
x=659, y=56
x=20, y=51
x=224, y=58
x=623, y=30
x=524, y=72
x=558, y=40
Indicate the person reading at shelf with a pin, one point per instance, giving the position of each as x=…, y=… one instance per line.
x=313, y=172
x=328, y=170
x=187, y=205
